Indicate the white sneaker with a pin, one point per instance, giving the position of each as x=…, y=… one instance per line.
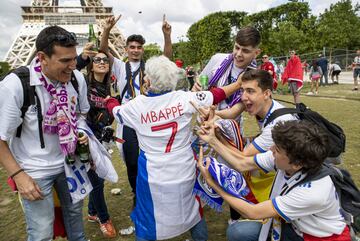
x=127, y=231
x=309, y=93
x=316, y=92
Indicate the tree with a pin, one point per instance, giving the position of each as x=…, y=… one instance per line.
x=339, y=26
x=213, y=34
x=268, y=21
x=150, y=50
x=4, y=68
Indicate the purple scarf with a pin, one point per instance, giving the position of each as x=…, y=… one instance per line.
x=60, y=118
x=222, y=73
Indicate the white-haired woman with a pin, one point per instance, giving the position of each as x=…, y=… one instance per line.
x=165, y=204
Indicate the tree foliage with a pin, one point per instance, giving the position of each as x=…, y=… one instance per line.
x=212, y=34
x=4, y=68
x=288, y=26
x=339, y=26
x=150, y=50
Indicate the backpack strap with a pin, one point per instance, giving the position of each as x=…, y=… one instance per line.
x=40, y=120
x=29, y=99
x=280, y=112
x=28, y=92
x=75, y=84
x=299, y=109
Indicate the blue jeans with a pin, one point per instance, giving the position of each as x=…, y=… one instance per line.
x=243, y=230
x=325, y=76
x=97, y=204
x=198, y=233
x=39, y=214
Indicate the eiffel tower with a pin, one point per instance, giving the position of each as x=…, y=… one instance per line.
x=43, y=13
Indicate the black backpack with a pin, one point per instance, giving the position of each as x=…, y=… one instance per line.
x=337, y=138
x=347, y=191
x=29, y=98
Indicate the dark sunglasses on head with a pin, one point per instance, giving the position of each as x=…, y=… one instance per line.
x=70, y=36
x=66, y=38
x=97, y=60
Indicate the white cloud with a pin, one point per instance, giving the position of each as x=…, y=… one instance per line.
x=180, y=14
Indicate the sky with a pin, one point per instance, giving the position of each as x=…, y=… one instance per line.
x=145, y=16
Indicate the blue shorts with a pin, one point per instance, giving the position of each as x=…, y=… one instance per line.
x=356, y=72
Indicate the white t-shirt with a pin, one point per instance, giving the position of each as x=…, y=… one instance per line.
x=166, y=163
x=119, y=70
x=36, y=162
x=335, y=67
x=264, y=141
x=312, y=207
x=357, y=62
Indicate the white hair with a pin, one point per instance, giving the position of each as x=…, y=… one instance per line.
x=163, y=74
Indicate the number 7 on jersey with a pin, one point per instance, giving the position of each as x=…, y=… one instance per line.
x=174, y=126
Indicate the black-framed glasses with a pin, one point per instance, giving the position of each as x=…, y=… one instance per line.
x=97, y=60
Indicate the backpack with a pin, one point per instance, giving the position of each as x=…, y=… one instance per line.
x=347, y=191
x=337, y=138
x=29, y=98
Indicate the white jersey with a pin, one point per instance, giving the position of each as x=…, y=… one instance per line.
x=312, y=208
x=36, y=162
x=165, y=204
x=264, y=141
x=119, y=70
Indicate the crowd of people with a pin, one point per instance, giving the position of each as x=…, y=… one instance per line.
x=164, y=156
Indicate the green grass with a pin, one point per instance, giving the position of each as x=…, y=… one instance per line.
x=338, y=103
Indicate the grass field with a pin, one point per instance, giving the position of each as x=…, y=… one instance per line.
x=338, y=103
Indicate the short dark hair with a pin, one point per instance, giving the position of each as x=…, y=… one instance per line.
x=248, y=36
x=304, y=142
x=264, y=78
x=54, y=35
x=135, y=38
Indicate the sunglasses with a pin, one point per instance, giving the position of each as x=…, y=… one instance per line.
x=265, y=57
x=97, y=60
x=68, y=37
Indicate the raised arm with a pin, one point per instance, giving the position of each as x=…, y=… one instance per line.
x=166, y=28
x=108, y=25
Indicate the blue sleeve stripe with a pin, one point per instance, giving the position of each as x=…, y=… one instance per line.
x=120, y=118
x=258, y=147
x=281, y=214
x=257, y=163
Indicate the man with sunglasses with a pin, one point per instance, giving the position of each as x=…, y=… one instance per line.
x=34, y=168
x=269, y=67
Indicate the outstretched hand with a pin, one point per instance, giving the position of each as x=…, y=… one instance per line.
x=110, y=22
x=166, y=27
x=204, y=169
x=88, y=51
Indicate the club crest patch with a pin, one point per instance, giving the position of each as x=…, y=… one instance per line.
x=201, y=96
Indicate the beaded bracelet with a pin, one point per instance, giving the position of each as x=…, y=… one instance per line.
x=17, y=172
